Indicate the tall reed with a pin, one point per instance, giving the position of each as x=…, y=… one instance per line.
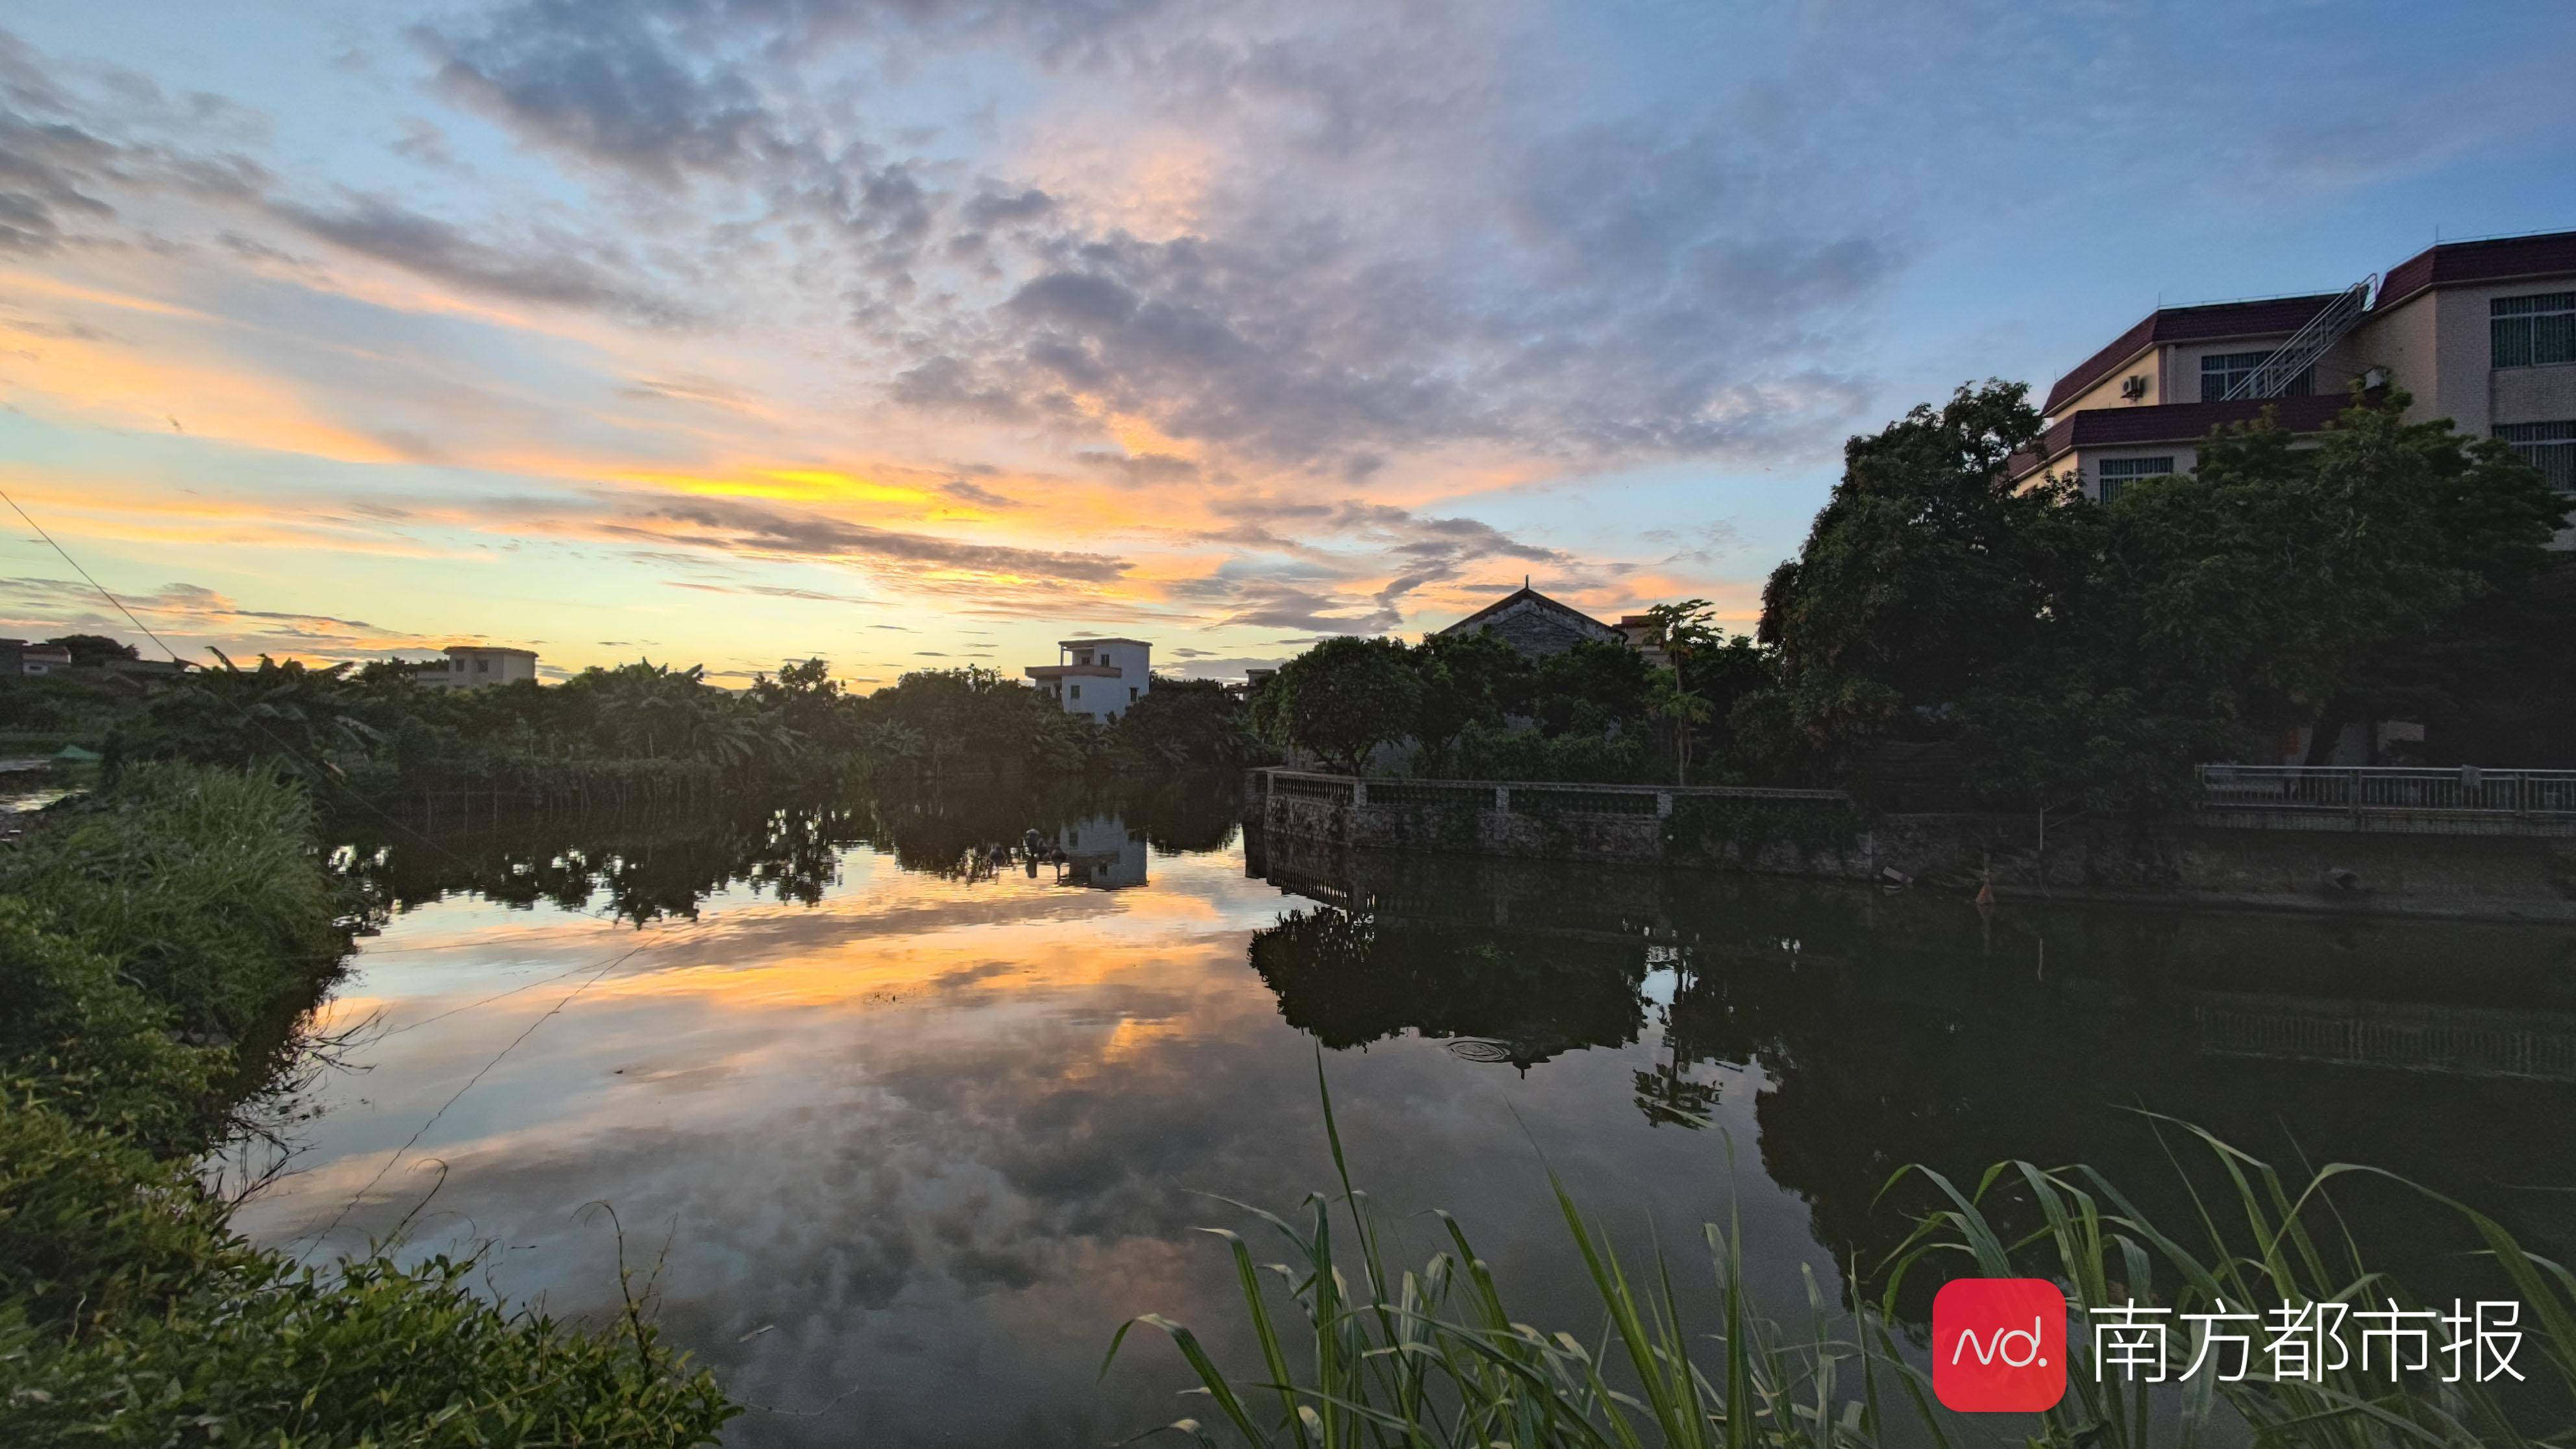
x=1377, y=1355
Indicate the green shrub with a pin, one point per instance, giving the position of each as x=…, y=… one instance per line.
x=188, y=902
x=93, y=1229
x=132, y=1316
x=202, y=884
x=99, y=1045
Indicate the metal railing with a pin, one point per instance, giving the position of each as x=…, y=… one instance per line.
x=2294, y=357
x=2465, y=791
x=1518, y=796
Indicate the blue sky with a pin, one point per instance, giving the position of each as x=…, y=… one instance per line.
x=923, y=333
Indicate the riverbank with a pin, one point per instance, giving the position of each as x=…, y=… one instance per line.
x=160, y=940
x=2202, y=860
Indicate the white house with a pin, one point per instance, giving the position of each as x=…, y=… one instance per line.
x=471, y=666
x=1097, y=677
x=1101, y=852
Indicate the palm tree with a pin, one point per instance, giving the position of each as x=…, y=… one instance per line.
x=1670, y=701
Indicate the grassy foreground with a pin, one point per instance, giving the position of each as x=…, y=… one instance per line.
x=156, y=947
x=1359, y=1351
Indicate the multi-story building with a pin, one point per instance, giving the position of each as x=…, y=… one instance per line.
x=471, y=666
x=2480, y=332
x=1097, y=677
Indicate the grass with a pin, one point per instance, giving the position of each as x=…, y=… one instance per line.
x=1362, y=1353
x=157, y=942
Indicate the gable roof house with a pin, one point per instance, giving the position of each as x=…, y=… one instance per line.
x=1536, y=625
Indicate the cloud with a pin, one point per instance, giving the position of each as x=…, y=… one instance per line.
x=1142, y=467
x=1649, y=291
x=185, y=615
x=728, y=525
x=980, y=496
x=771, y=591
x=375, y=227
x=602, y=82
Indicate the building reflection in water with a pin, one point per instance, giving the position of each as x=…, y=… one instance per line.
x=1102, y=853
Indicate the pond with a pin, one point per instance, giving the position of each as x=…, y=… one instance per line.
x=901, y=1138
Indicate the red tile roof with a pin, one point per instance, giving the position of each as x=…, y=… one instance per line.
x=2451, y=263
x=2272, y=316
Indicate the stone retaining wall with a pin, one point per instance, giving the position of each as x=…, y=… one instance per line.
x=2484, y=877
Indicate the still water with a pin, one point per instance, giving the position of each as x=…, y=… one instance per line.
x=901, y=1138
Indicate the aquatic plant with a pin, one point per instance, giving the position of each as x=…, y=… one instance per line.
x=1373, y=1354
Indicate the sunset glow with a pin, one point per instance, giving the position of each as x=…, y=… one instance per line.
x=925, y=335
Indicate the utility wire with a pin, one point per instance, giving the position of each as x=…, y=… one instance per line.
x=319, y=1236
x=370, y=806
x=93, y=583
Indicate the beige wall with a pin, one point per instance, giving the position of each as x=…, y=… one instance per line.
x=2532, y=395
x=2436, y=346
x=2183, y=362
x=2106, y=393
x=2087, y=462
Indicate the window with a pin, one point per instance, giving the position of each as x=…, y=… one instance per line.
x=2549, y=447
x=2533, y=331
x=2220, y=372
x=1131, y=694
x=1077, y=691
x=482, y=666
x=2116, y=472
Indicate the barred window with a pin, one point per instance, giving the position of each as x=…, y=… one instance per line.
x=2115, y=472
x=2220, y=372
x=2534, y=331
x=2549, y=447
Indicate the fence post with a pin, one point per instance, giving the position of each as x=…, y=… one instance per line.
x=1359, y=791
x=1663, y=804
x=1503, y=799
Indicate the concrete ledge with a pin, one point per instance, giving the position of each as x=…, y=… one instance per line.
x=2187, y=862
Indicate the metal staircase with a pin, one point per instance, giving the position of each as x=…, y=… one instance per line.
x=2309, y=343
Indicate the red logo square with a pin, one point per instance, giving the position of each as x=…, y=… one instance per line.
x=1999, y=1345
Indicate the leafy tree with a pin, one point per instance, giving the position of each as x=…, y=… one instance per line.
x=1924, y=570
x=90, y=650
x=1345, y=697
x=1181, y=723
x=1683, y=633
x=1466, y=679
x=1591, y=688
x=2085, y=652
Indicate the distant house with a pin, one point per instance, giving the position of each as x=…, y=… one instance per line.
x=35, y=659
x=1536, y=625
x=470, y=666
x=1097, y=677
x=1639, y=630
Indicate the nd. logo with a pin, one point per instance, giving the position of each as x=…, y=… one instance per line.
x=1999, y=1345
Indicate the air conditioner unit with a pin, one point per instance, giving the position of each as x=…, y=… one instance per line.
x=2134, y=386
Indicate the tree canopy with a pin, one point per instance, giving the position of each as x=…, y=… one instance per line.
x=2077, y=650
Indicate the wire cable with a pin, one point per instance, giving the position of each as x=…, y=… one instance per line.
x=93, y=583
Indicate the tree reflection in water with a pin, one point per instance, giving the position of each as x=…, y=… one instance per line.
x=658, y=867
x=1888, y=1030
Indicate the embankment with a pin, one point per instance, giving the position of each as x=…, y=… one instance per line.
x=1817, y=834
x=160, y=940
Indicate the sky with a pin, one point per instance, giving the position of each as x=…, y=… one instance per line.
x=920, y=333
